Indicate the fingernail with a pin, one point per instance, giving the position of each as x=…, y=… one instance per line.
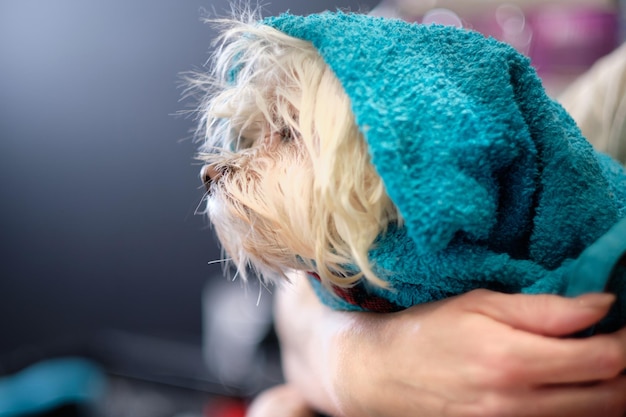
x=596, y=300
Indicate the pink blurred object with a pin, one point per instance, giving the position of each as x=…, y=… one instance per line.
x=570, y=40
x=562, y=40
x=507, y=23
x=559, y=39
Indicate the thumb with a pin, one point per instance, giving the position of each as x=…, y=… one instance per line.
x=280, y=401
x=545, y=314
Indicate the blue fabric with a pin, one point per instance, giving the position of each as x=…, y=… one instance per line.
x=49, y=384
x=496, y=185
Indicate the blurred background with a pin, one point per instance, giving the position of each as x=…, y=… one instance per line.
x=103, y=259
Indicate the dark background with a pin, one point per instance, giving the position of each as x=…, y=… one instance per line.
x=98, y=186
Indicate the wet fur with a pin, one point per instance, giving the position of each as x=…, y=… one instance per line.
x=296, y=189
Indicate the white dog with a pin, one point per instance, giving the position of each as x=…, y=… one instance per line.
x=396, y=161
x=281, y=147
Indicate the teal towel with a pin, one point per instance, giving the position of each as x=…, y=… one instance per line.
x=496, y=185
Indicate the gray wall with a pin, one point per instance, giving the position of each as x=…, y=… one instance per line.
x=98, y=186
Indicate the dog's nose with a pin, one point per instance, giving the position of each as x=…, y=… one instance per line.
x=209, y=174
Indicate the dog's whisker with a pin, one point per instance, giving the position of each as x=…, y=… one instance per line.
x=262, y=286
x=198, y=211
x=219, y=261
x=258, y=299
x=234, y=277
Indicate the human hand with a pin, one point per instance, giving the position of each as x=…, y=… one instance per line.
x=481, y=354
x=280, y=401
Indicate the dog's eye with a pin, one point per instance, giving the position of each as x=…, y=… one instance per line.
x=278, y=137
x=244, y=143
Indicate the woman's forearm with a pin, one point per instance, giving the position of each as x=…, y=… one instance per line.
x=479, y=354
x=310, y=335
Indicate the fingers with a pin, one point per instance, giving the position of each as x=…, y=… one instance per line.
x=607, y=399
x=597, y=358
x=536, y=360
x=543, y=314
x=280, y=401
x=529, y=354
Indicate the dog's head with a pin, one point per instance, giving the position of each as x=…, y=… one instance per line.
x=446, y=137
x=289, y=180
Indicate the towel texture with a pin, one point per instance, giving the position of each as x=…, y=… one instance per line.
x=496, y=185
